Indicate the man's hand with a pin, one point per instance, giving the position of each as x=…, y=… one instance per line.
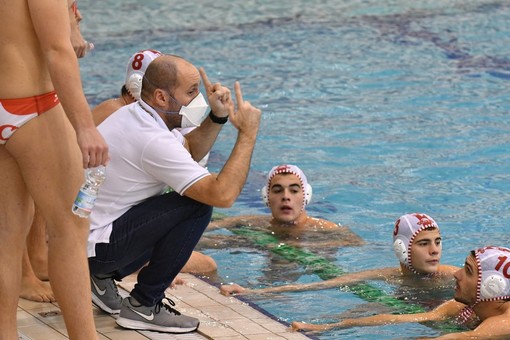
x=80, y=45
x=219, y=96
x=93, y=147
x=247, y=117
x=302, y=326
x=228, y=290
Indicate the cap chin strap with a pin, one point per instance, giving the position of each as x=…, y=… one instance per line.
x=466, y=314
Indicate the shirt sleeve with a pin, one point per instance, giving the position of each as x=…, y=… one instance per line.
x=167, y=160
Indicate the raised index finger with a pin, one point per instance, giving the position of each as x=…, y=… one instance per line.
x=239, y=94
x=207, y=83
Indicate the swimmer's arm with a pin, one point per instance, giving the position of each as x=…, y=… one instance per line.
x=374, y=274
x=227, y=222
x=440, y=313
x=236, y=221
x=348, y=238
x=62, y=63
x=496, y=327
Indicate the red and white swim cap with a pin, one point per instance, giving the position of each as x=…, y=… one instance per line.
x=493, y=278
x=136, y=68
x=404, y=233
x=287, y=169
x=493, y=273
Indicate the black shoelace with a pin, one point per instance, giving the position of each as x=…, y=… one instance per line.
x=166, y=306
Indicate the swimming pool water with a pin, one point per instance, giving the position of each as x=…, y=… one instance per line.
x=389, y=107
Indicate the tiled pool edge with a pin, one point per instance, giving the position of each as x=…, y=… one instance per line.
x=247, y=301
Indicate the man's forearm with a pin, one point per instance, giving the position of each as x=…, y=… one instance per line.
x=201, y=139
x=232, y=177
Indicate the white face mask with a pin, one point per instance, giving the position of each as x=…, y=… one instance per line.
x=195, y=112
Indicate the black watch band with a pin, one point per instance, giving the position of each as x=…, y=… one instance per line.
x=216, y=119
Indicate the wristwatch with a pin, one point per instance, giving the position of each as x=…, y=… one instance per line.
x=216, y=119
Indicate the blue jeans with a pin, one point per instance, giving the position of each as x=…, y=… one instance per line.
x=163, y=231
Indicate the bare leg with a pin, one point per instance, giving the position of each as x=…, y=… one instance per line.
x=50, y=163
x=15, y=217
x=199, y=263
x=31, y=287
x=37, y=245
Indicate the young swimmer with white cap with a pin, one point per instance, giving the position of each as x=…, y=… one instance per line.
x=287, y=193
x=417, y=245
x=481, y=301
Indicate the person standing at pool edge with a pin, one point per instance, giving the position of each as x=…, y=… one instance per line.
x=481, y=301
x=34, y=285
x=37, y=142
x=132, y=222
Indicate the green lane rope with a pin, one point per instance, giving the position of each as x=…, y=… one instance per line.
x=327, y=270
x=324, y=269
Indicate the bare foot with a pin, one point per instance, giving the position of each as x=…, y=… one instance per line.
x=36, y=290
x=177, y=281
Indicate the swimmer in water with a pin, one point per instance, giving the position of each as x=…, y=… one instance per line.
x=481, y=301
x=417, y=245
x=287, y=193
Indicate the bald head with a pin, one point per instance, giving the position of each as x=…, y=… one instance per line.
x=166, y=72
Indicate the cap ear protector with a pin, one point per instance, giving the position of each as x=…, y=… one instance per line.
x=307, y=194
x=493, y=273
x=493, y=286
x=134, y=85
x=400, y=249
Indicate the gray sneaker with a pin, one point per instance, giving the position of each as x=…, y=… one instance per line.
x=161, y=317
x=105, y=294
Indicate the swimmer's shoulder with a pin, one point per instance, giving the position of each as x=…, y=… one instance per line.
x=314, y=222
x=446, y=269
x=105, y=109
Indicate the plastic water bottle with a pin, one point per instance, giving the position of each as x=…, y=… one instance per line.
x=86, y=198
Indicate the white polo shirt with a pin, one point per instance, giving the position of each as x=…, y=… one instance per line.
x=146, y=158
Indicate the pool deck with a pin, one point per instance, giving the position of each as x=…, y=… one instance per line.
x=220, y=317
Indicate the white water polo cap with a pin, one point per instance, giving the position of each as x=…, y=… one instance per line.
x=136, y=68
x=493, y=278
x=493, y=273
x=404, y=233
x=287, y=169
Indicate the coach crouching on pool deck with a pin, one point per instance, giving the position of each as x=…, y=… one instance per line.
x=132, y=223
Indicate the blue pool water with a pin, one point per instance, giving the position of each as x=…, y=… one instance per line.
x=389, y=107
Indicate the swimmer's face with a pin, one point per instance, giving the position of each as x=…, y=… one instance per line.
x=426, y=251
x=286, y=197
x=467, y=280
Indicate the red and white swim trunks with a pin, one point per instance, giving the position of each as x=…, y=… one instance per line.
x=14, y=113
